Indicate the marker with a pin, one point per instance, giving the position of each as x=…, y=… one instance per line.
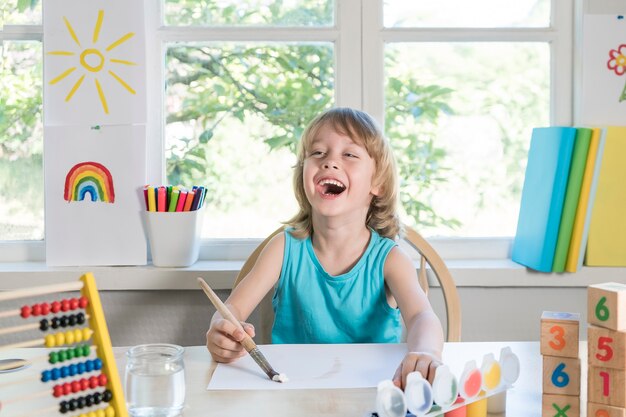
x=196, y=198
x=181, y=200
x=161, y=199
x=174, y=200
x=145, y=196
x=151, y=199
x=190, y=197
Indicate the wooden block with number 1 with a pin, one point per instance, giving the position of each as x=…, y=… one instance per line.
x=561, y=375
x=601, y=410
x=559, y=334
x=560, y=405
x=606, y=305
x=606, y=386
x=607, y=348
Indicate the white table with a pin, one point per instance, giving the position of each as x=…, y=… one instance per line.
x=523, y=400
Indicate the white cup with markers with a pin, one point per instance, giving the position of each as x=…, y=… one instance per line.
x=155, y=380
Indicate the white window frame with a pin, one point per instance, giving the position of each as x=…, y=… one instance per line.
x=359, y=38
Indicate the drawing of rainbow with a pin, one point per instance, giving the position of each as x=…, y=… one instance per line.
x=89, y=178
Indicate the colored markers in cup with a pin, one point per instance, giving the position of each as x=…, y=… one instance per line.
x=174, y=198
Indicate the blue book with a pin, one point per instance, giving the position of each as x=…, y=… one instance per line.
x=545, y=184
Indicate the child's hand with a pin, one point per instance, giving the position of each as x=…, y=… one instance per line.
x=425, y=363
x=223, y=339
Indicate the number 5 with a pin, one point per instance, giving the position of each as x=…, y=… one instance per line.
x=604, y=345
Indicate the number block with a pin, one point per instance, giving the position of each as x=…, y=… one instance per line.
x=607, y=348
x=561, y=375
x=559, y=334
x=560, y=405
x=606, y=386
x=601, y=410
x=606, y=305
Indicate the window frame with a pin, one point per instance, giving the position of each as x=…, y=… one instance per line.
x=359, y=37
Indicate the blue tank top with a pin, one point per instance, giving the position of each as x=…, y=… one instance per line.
x=312, y=306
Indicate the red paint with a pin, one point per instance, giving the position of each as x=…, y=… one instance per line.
x=473, y=383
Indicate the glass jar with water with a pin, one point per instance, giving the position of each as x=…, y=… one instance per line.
x=155, y=380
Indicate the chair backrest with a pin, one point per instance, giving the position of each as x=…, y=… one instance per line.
x=428, y=255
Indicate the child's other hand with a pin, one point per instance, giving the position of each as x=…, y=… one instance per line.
x=222, y=340
x=425, y=363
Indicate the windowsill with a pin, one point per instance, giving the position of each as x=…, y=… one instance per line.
x=221, y=275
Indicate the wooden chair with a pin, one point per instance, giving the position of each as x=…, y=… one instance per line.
x=428, y=255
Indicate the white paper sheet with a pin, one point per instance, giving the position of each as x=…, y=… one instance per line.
x=313, y=367
x=602, y=86
x=107, y=231
x=94, y=62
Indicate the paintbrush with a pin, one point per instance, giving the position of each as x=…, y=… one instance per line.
x=247, y=341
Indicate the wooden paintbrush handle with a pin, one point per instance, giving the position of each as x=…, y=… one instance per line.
x=247, y=341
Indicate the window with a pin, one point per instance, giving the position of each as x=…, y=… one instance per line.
x=232, y=84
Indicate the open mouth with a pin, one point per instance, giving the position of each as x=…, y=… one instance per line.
x=331, y=187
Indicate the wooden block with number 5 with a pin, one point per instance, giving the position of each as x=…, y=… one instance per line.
x=606, y=305
x=561, y=375
x=559, y=334
x=602, y=410
x=607, y=347
x=560, y=405
x=606, y=386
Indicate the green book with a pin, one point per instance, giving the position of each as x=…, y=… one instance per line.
x=574, y=182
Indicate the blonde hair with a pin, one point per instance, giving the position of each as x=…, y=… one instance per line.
x=382, y=215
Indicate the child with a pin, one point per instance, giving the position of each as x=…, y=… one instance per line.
x=340, y=276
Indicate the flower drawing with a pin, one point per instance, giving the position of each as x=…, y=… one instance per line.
x=617, y=64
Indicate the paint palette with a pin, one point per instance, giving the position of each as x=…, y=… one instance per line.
x=447, y=392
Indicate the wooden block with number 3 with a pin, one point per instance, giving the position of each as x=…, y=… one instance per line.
x=606, y=386
x=602, y=410
x=561, y=375
x=607, y=348
x=559, y=334
x=606, y=305
x=560, y=405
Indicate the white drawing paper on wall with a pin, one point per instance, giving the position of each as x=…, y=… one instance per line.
x=93, y=195
x=604, y=70
x=94, y=62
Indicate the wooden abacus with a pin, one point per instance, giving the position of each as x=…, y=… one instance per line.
x=97, y=358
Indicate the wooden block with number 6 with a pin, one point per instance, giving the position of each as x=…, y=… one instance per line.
x=606, y=386
x=559, y=334
x=607, y=347
x=561, y=375
x=560, y=405
x=602, y=410
x=606, y=305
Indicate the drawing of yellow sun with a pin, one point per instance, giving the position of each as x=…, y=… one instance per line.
x=93, y=60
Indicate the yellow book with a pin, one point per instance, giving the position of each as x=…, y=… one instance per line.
x=607, y=230
x=574, y=255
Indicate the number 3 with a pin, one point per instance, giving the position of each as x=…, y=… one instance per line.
x=558, y=333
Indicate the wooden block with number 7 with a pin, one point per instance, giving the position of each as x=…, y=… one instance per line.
x=602, y=410
x=606, y=386
x=606, y=305
x=561, y=375
x=607, y=347
x=559, y=334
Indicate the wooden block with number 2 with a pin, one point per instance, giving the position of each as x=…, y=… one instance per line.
x=559, y=334
x=606, y=305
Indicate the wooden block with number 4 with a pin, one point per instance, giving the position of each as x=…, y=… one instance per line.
x=561, y=375
x=606, y=386
x=559, y=334
x=607, y=347
x=560, y=405
x=606, y=305
x=602, y=410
